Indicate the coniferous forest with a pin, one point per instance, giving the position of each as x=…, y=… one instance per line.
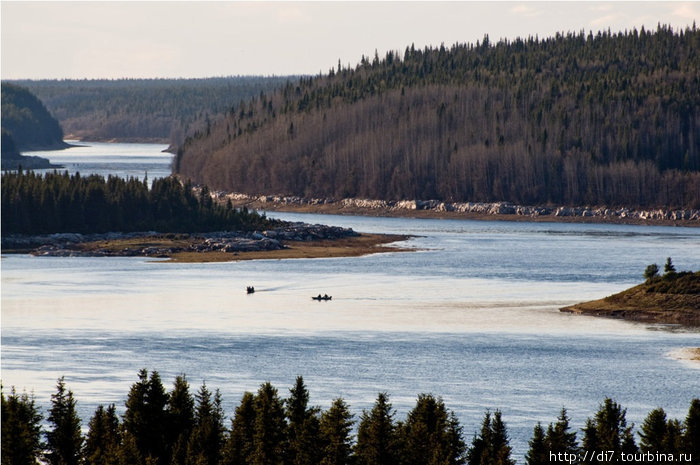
x=178, y=427
x=576, y=119
x=160, y=110
x=59, y=202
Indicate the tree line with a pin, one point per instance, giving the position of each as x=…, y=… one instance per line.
x=160, y=110
x=178, y=428
x=605, y=119
x=60, y=203
x=26, y=120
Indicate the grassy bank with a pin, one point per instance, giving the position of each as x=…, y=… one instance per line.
x=670, y=299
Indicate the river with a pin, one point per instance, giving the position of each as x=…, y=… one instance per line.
x=471, y=315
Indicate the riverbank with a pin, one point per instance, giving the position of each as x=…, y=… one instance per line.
x=655, y=301
x=292, y=240
x=464, y=210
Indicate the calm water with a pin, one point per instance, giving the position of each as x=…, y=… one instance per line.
x=472, y=316
x=125, y=160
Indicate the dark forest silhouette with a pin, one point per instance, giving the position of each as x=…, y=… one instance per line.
x=575, y=119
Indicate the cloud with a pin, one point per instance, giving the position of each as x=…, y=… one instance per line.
x=525, y=10
x=289, y=14
x=604, y=20
x=687, y=11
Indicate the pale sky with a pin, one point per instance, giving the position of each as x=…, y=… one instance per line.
x=134, y=39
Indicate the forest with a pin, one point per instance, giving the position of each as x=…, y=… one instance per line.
x=59, y=202
x=143, y=110
x=608, y=119
x=26, y=125
x=177, y=427
x=28, y=121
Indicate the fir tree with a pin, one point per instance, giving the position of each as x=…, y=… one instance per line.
x=560, y=438
x=145, y=417
x=608, y=431
x=180, y=413
x=673, y=440
x=651, y=271
x=207, y=439
x=103, y=439
x=492, y=445
x=427, y=436
x=21, y=429
x=653, y=431
x=240, y=444
x=64, y=440
x=376, y=435
x=303, y=427
x=270, y=427
x=691, y=436
x=336, y=425
x=669, y=269
x=537, y=454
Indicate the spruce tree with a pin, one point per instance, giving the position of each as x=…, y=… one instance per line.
x=207, y=438
x=336, y=425
x=240, y=443
x=691, y=436
x=653, y=431
x=560, y=438
x=103, y=439
x=537, y=454
x=129, y=453
x=501, y=443
x=21, y=429
x=270, y=427
x=608, y=431
x=180, y=413
x=145, y=418
x=376, y=435
x=492, y=446
x=428, y=436
x=673, y=440
x=478, y=451
x=63, y=440
x=651, y=271
x=303, y=427
x=669, y=269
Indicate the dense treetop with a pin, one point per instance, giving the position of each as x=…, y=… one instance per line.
x=58, y=202
x=607, y=119
x=143, y=109
x=28, y=121
x=161, y=427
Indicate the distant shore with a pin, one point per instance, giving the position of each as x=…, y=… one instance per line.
x=464, y=210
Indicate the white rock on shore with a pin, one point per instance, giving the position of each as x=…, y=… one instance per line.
x=494, y=208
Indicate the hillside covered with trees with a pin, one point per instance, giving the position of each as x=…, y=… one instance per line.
x=178, y=428
x=26, y=125
x=575, y=119
x=158, y=110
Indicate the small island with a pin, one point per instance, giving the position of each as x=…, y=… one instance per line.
x=61, y=215
x=671, y=298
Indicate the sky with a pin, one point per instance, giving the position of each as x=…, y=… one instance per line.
x=195, y=39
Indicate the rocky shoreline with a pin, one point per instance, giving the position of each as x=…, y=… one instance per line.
x=495, y=210
x=154, y=244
